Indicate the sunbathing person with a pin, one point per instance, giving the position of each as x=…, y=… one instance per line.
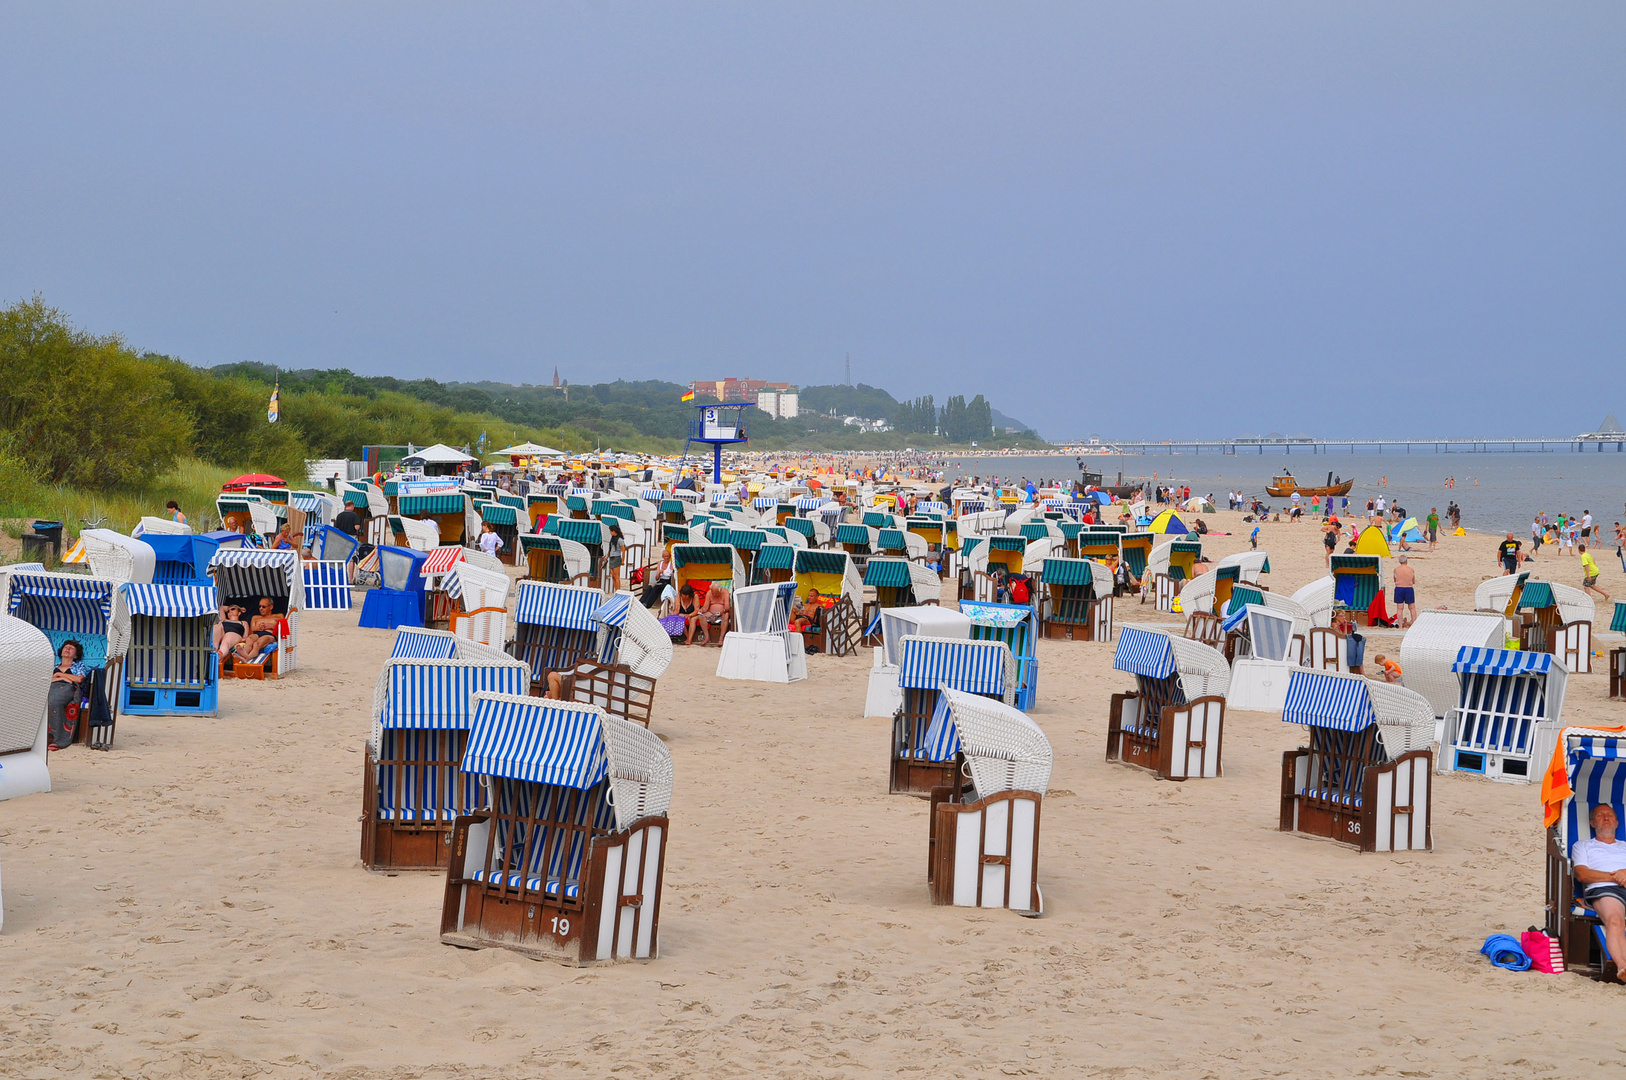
x=262, y=631
x=688, y=607
x=230, y=630
x=1600, y=867
x=714, y=612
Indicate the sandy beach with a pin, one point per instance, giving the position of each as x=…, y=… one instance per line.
x=191, y=904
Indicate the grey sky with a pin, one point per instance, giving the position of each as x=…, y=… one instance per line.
x=1135, y=219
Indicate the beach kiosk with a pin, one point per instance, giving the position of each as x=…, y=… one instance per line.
x=927, y=666
x=1364, y=779
x=983, y=844
x=1505, y=722
x=566, y=860
x=1171, y=723
x=26, y=662
x=413, y=786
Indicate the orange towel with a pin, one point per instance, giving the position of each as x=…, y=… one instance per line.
x=1555, y=782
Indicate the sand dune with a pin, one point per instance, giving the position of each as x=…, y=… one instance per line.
x=191, y=904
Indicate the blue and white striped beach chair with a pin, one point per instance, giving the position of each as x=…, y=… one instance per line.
x=1171, y=722
x=926, y=667
x=1593, y=764
x=566, y=861
x=171, y=668
x=73, y=607
x=413, y=786
x=555, y=628
x=1364, y=780
x=244, y=575
x=1506, y=720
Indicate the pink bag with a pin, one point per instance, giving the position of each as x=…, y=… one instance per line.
x=1544, y=953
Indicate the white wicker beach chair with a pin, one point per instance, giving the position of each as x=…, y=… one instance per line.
x=1430, y=648
x=26, y=660
x=159, y=525
x=483, y=597
x=420, y=535
x=1259, y=679
x=1316, y=599
x=983, y=846
x=762, y=648
x=118, y=557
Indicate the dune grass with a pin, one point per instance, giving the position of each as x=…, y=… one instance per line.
x=192, y=483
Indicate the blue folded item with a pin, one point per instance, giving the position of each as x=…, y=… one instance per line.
x=1505, y=952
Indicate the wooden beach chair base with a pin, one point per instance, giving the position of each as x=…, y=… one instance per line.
x=1617, y=674
x=390, y=846
x=1184, y=743
x=985, y=854
x=611, y=914
x=1390, y=814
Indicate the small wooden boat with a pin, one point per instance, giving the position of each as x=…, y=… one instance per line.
x=1282, y=487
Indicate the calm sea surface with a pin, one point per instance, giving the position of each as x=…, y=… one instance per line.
x=1497, y=492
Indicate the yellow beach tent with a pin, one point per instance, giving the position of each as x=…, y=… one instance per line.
x=1168, y=522
x=1372, y=542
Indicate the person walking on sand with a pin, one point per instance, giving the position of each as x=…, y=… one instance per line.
x=1405, y=592
x=1507, y=553
x=1589, y=574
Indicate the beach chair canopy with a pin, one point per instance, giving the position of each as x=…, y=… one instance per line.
x=1270, y=633
x=630, y=635
x=171, y=601
x=1168, y=523
x=1350, y=703
x=72, y=606
x=418, y=694
x=1003, y=748
x=417, y=643
x=1588, y=769
x=1158, y=654
x=924, y=621
x=1250, y=564
x=1519, y=683
x=441, y=559
x=1430, y=648
x=26, y=661
x=571, y=607
x=118, y=557
x=247, y=572
x=773, y=556
x=570, y=744
x=833, y=573
x=977, y=667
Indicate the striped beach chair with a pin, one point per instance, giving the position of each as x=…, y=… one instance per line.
x=883, y=697
x=566, y=860
x=244, y=575
x=1017, y=625
x=1075, y=600
x=413, y=786
x=478, y=603
x=1171, y=723
x=1586, y=770
x=634, y=651
x=88, y=610
x=1505, y=722
x=761, y=647
x=1264, y=656
x=555, y=628
x=983, y=837
x=927, y=666
x=1364, y=780
x=171, y=667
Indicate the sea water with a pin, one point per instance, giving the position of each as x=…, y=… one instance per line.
x=1497, y=492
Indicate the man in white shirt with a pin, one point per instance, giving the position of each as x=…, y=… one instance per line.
x=1378, y=505
x=1600, y=867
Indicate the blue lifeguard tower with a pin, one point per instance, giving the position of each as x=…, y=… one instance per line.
x=718, y=424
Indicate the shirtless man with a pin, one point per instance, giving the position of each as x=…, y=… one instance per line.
x=1600, y=867
x=1405, y=592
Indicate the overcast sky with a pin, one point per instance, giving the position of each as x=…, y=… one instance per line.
x=1144, y=219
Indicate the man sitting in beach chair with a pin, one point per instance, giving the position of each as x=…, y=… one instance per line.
x=1600, y=867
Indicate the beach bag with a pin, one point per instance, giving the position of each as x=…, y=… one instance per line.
x=1543, y=951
